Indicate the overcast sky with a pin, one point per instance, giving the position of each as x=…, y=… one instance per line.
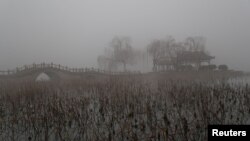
x=75, y=32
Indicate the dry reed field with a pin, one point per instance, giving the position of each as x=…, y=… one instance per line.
x=119, y=108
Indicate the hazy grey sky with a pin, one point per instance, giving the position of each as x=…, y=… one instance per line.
x=75, y=32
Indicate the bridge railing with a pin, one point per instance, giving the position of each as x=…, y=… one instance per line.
x=61, y=68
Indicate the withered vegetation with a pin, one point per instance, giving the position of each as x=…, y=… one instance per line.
x=119, y=108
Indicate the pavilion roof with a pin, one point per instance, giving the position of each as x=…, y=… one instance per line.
x=196, y=56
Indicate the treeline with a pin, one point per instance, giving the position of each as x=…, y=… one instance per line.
x=165, y=54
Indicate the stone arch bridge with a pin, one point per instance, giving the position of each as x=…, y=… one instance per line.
x=55, y=72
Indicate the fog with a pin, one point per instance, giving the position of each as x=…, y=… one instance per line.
x=74, y=33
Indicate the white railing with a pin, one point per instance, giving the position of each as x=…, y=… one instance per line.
x=59, y=67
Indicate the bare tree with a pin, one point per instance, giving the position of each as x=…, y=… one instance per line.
x=123, y=52
x=196, y=43
x=154, y=49
x=164, y=51
x=120, y=52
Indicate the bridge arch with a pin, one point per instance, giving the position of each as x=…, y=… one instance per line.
x=51, y=74
x=55, y=72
